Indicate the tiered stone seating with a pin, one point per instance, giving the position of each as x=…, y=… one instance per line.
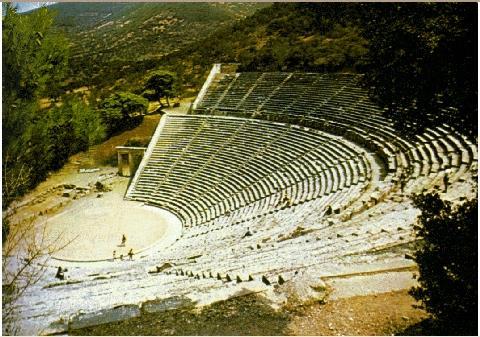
x=262, y=90
x=204, y=167
x=337, y=104
x=307, y=178
x=220, y=85
x=271, y=249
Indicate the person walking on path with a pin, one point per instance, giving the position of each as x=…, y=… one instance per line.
x=60, y=275
x=445, y=182
x=402, y=182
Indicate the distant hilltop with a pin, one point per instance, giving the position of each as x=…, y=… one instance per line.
x=29, y=6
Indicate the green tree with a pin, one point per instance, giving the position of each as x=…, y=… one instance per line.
x=422, y=63
x=61, y=142
x=160, y=84
x=87, y=122
x=447, y=260
x=34, y=63
x=122, y=110
x=35, y=57
x=35, y=145
x=72, y=127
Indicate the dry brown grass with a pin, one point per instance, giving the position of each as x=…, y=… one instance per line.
x=142, y=132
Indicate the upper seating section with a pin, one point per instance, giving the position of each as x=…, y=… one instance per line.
x=203, y=167
x=281, y=95
x=327, y=101
x=337, y=104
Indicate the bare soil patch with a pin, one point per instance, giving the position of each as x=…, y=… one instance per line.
x=380, y=314
x=106, y=149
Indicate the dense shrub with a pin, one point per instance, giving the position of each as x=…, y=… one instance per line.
x=72, y=127
x=139, y=142
x=43, y=140
x=447, y=260
x=422, y=64
x=122, y=111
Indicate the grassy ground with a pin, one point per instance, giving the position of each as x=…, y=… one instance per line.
x=246, y=315
x=381, y=314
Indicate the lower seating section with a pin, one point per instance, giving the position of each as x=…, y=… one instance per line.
x=204, y=167
x=373, y=227
x=273, y=247
x=336, y=228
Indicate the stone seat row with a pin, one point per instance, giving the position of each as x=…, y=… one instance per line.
x=256, y=257
x=216, y=234
x=288, y=86
x=240, y=209
x=336, y=103
x=329, y=181
x=429, y=153
x=293, y=154
x=329, y=178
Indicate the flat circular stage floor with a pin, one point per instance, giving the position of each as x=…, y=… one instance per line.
x=93, y=229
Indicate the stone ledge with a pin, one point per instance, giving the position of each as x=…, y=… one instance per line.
x=118, y=313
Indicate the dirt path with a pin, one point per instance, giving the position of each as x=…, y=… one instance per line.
x=382, y=314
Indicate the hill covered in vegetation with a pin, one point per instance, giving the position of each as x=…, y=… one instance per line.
x=317, y=37
x=108, y=40
x=114, y=45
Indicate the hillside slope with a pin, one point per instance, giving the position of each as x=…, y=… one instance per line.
x=289, y=36
x=110, y=38
x=113, y=45
x=315, y=37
